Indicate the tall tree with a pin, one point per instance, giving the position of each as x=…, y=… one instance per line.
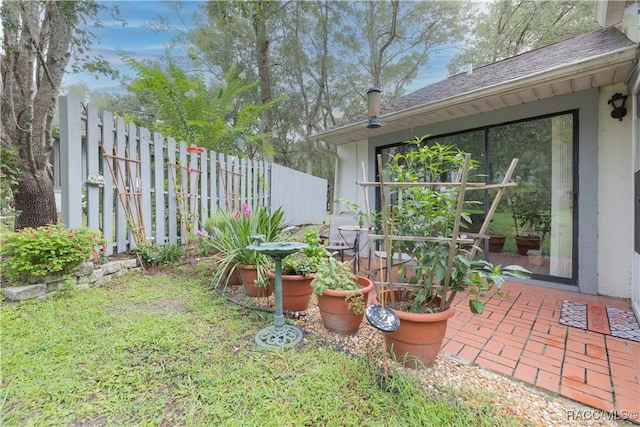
x=39, y=38
x=394, y=39
x=247, y=26
x=510, y=27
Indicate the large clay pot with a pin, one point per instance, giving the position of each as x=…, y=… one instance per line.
x=296, y=290
x=234, y=278
x=417, y=342
x=229, y=279
x=527, y=243
x=496, y=243
x=248, y=276
x=334, y=310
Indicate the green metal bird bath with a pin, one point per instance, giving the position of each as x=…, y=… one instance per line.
x=279, y=335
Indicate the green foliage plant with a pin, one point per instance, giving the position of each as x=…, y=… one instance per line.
x=430, y=211
x=305, y=261
x=159, y=255
x=337, y=276
x=218, y=119
x=33, y=253
x=529, y=210
x=231, y=233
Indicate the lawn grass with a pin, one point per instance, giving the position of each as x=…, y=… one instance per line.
x=162, y=349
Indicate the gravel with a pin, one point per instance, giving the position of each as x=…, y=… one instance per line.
x=523, y=401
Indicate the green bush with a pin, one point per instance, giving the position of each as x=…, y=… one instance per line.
x=159, y=255
x=307, y=259
x=35, y=252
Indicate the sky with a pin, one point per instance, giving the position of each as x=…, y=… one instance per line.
x=141, y=41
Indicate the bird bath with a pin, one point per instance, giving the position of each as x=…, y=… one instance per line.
x=279, y=335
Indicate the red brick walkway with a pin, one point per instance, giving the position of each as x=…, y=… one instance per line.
x=519, y=335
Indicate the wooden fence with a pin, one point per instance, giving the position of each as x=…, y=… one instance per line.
x=137, y=187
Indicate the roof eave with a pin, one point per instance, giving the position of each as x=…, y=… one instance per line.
x=608, y=60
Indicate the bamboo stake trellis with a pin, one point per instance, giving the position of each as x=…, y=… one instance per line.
x=230, y=188
x=473, y=239
x=129, y=191
x=187, y=201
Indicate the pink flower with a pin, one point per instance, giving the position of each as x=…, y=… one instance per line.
x=245, y=209
x=201, y=233
x=191, y=169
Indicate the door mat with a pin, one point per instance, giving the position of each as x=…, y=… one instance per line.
x=597, y=318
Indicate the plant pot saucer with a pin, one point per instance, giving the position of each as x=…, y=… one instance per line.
x=382, y=318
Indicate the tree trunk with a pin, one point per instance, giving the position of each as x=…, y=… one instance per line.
x=262, y=55
x=36, y=200
x=38, y=44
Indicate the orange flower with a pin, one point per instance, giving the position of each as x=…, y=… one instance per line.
x=194, y=149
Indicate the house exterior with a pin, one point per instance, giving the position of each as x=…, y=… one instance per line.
x=551, y=108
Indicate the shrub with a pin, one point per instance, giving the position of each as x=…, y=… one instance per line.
x=35, y=252
x=159, y=255
x=307, y=259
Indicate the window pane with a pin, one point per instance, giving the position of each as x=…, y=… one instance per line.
x=538, y=214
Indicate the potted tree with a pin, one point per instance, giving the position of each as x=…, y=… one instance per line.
x=531, y=219
x=298, y=271
x=424, y=224
x=342, y=296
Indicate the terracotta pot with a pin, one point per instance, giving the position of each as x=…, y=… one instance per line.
x=527, y=243
x=496, y=243
x=417, y=342
x=336, y=315
x=296, y=290
x=248, y=275
x=231, y=280
x=234, y=278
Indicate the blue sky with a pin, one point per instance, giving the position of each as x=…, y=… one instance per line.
x=140, y=40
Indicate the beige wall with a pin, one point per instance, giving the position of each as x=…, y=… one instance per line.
x=350, y=167
x=615, y=193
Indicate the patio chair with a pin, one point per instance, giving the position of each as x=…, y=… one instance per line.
x=340, y=241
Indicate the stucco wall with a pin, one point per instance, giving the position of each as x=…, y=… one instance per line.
x=350, y=172
x=615, y=242
x=604, y=265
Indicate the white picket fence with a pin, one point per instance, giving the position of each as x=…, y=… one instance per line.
x=140, y=187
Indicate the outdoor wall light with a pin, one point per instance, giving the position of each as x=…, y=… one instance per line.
x=374, y=107
x=617, y=102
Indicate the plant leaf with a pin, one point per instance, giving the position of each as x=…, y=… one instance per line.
x=476, y=306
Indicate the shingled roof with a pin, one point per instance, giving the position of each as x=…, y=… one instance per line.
x=576, y=50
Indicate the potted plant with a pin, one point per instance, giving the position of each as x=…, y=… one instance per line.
x=218, y=223
x=342, y=296
x=298, y=271
x=230, y=239
x=531, y=218
x=423, y=224
x=496, y=242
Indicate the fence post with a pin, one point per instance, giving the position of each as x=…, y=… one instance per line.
x=172, y=191
x=158, y=185
x=145, y=181
x=107, y=193
x=93, y=168
x=70, y=158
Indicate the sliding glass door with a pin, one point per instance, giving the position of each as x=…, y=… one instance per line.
x=536, y=220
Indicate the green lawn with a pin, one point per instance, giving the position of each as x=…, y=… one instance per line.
x=163, y=350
